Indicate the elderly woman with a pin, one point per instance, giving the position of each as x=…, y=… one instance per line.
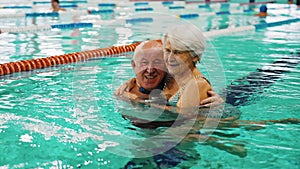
x=183, y=46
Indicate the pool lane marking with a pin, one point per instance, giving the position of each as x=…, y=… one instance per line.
x=77, y=25
x=45, y=27
x=118, y=10
x=40, y=63
x=240, y=90
x=213, y=33
x=132, y=20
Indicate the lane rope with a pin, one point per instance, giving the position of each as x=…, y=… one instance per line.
x=40, y=63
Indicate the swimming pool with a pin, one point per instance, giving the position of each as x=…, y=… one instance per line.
x=66, y=116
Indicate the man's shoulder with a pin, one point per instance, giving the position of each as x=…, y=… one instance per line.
x=126, y=86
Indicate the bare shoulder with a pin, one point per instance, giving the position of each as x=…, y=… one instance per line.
x=125, y=87
x=203, y=83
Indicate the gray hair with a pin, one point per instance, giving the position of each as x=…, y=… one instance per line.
x=186, y=37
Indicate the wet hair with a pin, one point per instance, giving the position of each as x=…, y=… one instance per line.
x=57, y=1
x=186, y=37
x=263, y=8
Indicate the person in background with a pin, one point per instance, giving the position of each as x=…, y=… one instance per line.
x=56, y=7
x=262, y=11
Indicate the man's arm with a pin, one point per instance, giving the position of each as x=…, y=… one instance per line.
x=213, y=99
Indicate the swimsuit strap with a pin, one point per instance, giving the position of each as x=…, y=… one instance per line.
x=202, y=77
x=173, y=100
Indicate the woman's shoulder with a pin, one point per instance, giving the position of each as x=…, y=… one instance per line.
x=201, y=81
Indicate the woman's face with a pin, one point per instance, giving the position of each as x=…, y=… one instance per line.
x=177, y=61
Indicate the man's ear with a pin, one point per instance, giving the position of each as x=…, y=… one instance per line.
x=133, y=64
x=195, y=59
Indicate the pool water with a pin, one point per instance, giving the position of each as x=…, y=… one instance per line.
x=67, y=116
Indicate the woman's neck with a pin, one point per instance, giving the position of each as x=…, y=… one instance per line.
x=184, y=78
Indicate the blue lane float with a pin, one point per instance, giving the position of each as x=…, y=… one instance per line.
x=16, y=7
x=35, y=28
x=287, y=7
x=195, y=15
x=40, y=2
x=254, y=27
x=225, y=5
x=107, y=5
x=278, y=23
x=74, y=2
x=188, y=16
x=136, y=20
x=176, y=7
x=140, y=3
x=203, y=6
x=101, y=11
x=223, y=13
x=69, y=6
x=72, y=26
x=248, y=10
x=167, y=2
x=143, y=9
x=61, y=2
x=42, y=14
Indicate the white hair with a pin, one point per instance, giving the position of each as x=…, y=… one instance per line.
x=186, y=37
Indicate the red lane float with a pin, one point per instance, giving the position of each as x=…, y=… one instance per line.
x=27, y=65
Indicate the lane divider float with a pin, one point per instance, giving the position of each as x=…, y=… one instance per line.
x=135, y=20
x=40, y=63
x=61, y=2
x=35, y=28
x=101, y=11
x=176, y=7
x=42, y=14
x=257, y=3
x=107, y=5
x=144, y=9
x=254, y=27
x=45, y=27
x=27, y=65
x=195, y=15
x=196, y=1
x=141, y=3
x=16, y=7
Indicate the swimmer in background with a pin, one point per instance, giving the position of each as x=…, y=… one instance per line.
x=262, y=11
x=55, y=6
